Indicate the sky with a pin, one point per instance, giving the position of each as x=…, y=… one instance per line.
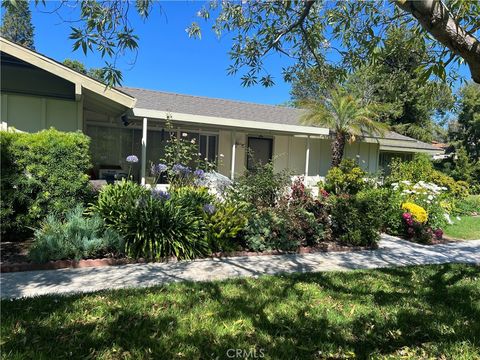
x=167, y=60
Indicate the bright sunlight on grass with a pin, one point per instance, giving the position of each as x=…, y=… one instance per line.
x=423, y=311
x=468, y=228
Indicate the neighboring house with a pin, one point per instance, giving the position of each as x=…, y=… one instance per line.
x=38, y=92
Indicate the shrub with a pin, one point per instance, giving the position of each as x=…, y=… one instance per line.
x=347, y=178
x=467, y=206
x=42, y=173
x=192, y=198
x=74, y=237
x=357, y=220
x=261, y=187
x=154, y=225
x=225, y=222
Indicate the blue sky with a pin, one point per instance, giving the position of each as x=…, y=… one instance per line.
x=168, y=59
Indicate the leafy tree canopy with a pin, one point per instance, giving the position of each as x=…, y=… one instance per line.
x=17, y=23
x=309, y=32
x=76, y=65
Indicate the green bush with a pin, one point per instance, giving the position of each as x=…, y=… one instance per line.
x=42, y=173
x=347, y=178
x=192, y=198
x=225, y=223
x=261, y=187
x=467, y=206
x=154, y=227
x=74, y=237
x=357, y=220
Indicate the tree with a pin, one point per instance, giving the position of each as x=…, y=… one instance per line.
x=17, y=23
x=345, y=116
x=467, y=129
x=76, y=65
x=306, y=31
x=408, y=102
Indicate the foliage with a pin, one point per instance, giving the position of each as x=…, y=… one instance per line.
x=357, y=220
x=76, y=65
x=154, y=227
x=192, y=198
x=261, y=187
x=418, y=231
x=225, y=224
x=74, y=237
x=467, y=206
x=347, y=178
x=42, y=173
x=418, y=213
x=17, y=23
x=380, y=82
x=346, y=116
x=421, y=169
x=467, y=131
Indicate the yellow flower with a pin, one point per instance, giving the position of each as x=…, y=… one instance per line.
x=418, y=213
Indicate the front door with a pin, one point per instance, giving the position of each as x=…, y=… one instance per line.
x=259, y=151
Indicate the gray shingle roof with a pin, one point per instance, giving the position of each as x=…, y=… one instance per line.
x=231, y=109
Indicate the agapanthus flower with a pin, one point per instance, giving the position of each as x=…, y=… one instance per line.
x=132, y=159
x=209, y=209
x=199, y=173
x=160, y=194
x=157, y=169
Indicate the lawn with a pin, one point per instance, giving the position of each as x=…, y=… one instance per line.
x=416, y=312
x=468, y=228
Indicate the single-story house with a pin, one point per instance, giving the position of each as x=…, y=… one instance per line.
x=38, y=92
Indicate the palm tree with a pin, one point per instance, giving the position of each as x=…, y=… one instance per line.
x=345, y=116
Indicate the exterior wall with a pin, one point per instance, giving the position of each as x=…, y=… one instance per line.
x=34, y=113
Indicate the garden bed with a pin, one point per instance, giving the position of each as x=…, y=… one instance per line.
x=10, y=266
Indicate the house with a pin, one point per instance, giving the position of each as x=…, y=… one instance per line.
x=38, y=92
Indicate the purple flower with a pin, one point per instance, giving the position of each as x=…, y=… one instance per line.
x=180, y=169
x=209, y=209
x=160, y=195
x=132, y=159
x=199, y=173
x=157, y=169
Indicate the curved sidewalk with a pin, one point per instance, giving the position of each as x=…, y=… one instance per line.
x=392, y=252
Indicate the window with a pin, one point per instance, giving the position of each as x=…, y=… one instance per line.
x=208, y=147
x=259, y=151
x=385, y=158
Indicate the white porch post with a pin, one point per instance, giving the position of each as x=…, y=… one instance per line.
x=143, y=164
x=307, y=157
x=232, y=165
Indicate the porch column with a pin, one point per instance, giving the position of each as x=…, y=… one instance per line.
x=307, y=156
x=232, y=165
x=143, y=165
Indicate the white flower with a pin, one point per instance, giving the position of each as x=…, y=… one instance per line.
x=184, y=134
x=459, y=218
x=221, y=155
x=430, y=197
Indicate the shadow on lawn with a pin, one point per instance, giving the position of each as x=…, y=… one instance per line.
x=287, y=317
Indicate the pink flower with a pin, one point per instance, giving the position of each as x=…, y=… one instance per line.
x=407, y=216
x=438, y=234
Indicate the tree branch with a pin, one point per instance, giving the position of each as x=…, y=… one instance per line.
x=436, y=19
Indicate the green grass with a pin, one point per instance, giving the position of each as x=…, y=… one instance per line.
x=468, y=228
x=414, y=312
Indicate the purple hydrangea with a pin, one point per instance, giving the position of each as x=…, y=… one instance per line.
x=209, y=209
x=132, y=159
x=199, y=173
x=160, y=195
x=157, y=169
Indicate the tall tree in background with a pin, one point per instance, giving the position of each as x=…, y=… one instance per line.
x=346, y=116
x=17, y=23
x=95, y=73
x=408, y=102
x=466, y=131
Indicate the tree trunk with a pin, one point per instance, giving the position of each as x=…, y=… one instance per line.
x=436, y=19
x=338, y=146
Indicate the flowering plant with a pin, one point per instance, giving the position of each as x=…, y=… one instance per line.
x=417, y=212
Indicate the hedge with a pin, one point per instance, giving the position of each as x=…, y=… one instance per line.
x=41, y=173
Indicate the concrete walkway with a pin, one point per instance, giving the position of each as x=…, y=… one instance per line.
x=392, y=252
